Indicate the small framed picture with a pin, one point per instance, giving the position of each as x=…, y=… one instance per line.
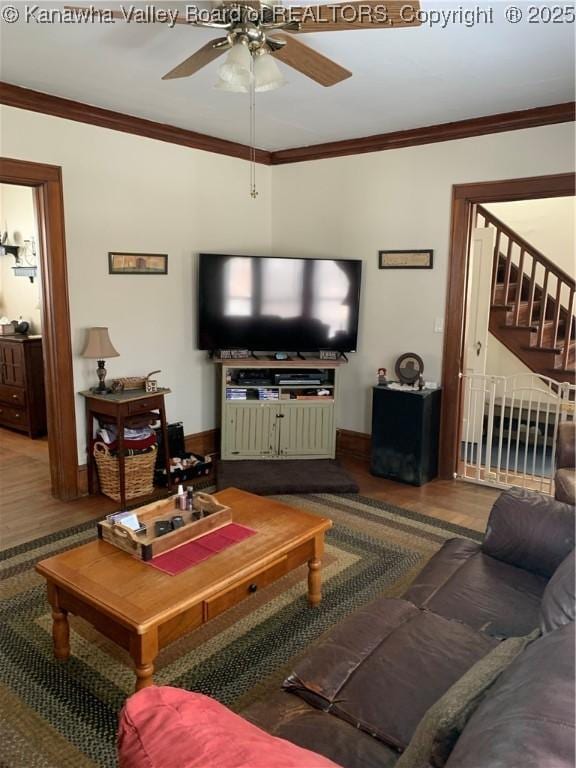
x=419, y=259
x=137, y=263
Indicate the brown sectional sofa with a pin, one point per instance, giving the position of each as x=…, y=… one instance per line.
x=357, y=696
x=363, y=688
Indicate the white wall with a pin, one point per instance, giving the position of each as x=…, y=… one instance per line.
x=351, y=207
x=18, y=296
x=501, y=362
x=127, y=193
x=548, y=224
x=123, y=192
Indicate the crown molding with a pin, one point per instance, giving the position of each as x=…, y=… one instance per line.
x=461, y=129
x=35, y=101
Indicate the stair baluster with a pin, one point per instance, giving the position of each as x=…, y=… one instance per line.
x=568, y=330
x=543, y=306
x=532, y=291
x=518, y=297
x=507, y=272
x=495, y=263
x=558, y=305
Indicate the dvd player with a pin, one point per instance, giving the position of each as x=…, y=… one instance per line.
x=314, y=377
x=286, y=382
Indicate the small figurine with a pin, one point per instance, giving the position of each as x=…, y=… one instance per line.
x=420, y=382
x=382, y=380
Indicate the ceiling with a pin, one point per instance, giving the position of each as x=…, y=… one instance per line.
x=402, y=78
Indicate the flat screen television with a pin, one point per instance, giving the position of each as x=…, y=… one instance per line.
x=264, y=303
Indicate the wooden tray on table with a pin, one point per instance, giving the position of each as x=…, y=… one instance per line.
x=146, y=545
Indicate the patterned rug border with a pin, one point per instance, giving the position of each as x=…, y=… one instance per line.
x=419, y=517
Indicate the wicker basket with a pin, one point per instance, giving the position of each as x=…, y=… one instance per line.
x=138, y=472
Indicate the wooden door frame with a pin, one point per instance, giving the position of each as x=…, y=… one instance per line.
x=464, y=199
x=46, y=181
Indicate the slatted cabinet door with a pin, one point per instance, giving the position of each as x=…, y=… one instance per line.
x=251, y=430
x=12, y=365
x=307, y=430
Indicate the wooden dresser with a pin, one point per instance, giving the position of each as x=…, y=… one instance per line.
x=22, y=400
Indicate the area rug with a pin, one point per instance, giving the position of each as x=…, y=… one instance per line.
x=272, y=477
x=64, y=714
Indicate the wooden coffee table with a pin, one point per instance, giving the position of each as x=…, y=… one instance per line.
x=143, y=610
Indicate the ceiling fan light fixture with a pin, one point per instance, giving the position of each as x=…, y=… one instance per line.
x=267, y=74
x=237, y=69
x=222, y=85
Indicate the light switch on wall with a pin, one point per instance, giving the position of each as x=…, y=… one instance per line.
x=439, y=325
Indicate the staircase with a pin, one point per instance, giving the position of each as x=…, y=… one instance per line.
x=532, y=304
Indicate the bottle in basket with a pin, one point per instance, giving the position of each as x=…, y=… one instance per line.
x=180, y=499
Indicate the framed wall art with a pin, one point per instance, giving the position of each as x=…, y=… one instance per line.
x=137, y=263
x=416, y=259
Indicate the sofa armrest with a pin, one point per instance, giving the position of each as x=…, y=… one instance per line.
x=530, y=530
x=566, y=445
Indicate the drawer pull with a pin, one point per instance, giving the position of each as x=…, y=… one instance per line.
x=252, y=588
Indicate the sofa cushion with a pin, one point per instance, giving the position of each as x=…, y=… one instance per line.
x=559, y=601
x=170, y=728
x=384, y=666
x=462, y=583
x=441, y=726
x=527, y=718
x=530, y=530
x=289, y=717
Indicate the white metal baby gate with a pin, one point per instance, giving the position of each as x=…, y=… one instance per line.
x=509, y=429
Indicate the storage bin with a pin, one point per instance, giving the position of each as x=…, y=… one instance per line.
x=176, y=449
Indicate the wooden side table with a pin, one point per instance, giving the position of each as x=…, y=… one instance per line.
x=121, y=407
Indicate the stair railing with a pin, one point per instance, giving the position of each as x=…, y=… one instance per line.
x=544, y=276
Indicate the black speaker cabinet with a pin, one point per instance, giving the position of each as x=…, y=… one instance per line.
x=405, y=430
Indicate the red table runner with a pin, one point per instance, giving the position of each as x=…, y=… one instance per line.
x=193, y=552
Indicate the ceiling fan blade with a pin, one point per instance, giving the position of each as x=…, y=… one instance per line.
x=309, y=62
x=203, y=56
x=365, y=14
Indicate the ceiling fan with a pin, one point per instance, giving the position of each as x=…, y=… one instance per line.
x=254, y=31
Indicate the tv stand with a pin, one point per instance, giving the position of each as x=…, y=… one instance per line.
x=278, y=409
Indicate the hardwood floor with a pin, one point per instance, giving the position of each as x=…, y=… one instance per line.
x=450, y=500
x=28, y=510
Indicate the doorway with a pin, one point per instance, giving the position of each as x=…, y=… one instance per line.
x=45, y=183
x=465, y=199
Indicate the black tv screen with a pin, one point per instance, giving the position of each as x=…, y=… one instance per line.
x=263, y=303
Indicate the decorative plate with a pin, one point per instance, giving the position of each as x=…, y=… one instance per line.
x=409, y=367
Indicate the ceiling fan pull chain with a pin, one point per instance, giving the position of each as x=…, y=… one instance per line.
x=253, y=190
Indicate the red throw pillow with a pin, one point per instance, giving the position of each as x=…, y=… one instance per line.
x=163, y=727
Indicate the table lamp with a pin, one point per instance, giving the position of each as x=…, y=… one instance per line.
x=99, y=347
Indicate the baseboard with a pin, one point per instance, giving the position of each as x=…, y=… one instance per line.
x=203, y=442
x=357, y=445
x=82, y=480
